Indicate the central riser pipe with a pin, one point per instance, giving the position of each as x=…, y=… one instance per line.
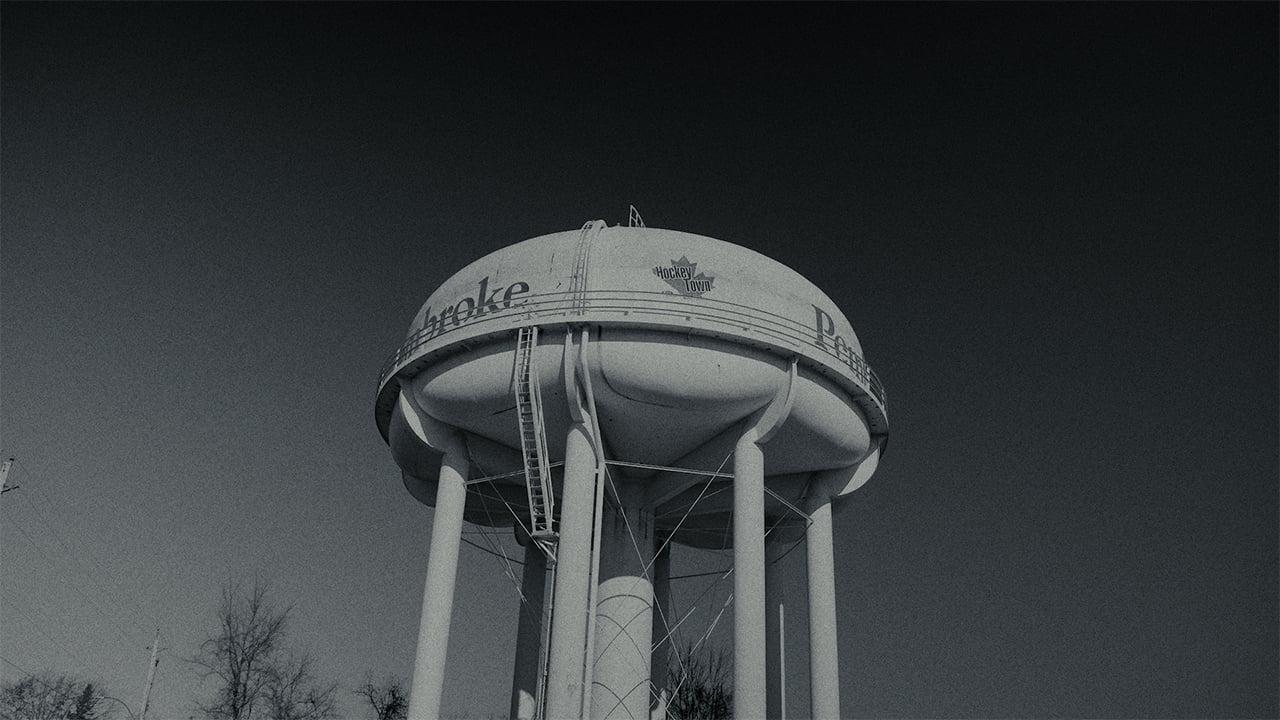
x=624, y=617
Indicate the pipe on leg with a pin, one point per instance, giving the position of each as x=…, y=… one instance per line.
x=749, y=675
x=624, y=616
x=524, y=681
x=774, y=639
x=662, y=621
x=568, y=650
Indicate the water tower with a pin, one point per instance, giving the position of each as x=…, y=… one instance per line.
x=608, y=392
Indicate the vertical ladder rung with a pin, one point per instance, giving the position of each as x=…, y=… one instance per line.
x=533, y=444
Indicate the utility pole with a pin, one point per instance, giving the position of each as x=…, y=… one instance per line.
x=151, y=675
x=4, y=476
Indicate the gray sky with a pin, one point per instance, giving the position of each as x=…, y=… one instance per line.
x=1053, y=227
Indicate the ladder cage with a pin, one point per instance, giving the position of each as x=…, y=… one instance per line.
x=533, y=439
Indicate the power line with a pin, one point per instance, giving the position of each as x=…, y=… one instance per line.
x=60, y=649
x=15, y=665
x=69, y=552
x=114, y=624
x=10, y=604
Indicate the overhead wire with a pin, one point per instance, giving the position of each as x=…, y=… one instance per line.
x=36, y=489
x=15, y=665
x=113, y=623
x=31, y=622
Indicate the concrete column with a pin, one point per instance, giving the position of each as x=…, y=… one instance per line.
x=749, y=677
x=824, y=660
x=573, y=576
x=524, y=681
x=437, y=594
x=661, y=659
x=624, y=616
x=774, y=633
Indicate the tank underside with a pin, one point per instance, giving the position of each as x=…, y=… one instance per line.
x=664, y=399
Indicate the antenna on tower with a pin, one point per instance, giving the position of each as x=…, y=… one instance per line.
x=633, y=217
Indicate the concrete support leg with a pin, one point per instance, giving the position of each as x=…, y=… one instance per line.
x=662, y=622
x=573, y=576
x=774, y=625
x=749, y=677
x=437, y=594
x=824, y=661
x=524, y=681
x=624, y=616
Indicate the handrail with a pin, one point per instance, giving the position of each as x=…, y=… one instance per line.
x=785, y=330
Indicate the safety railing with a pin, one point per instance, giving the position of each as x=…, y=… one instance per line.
x=729, y=316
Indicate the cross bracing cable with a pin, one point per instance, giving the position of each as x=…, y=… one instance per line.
x=524, y=602
x=513, y=473
x=684, y=671
x=487, y=550
x=646, y=566
x=689, y=510
x=684, y=675
x=727, y=487
x=496, y=546
x=787, y=504
x=665, y=623
x=661, y=614
x=669, y=468
x=505, y=561
x=635, y=545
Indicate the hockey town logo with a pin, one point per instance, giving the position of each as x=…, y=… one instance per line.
x=684, y=277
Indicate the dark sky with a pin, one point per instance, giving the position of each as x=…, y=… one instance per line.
x=1054, y=228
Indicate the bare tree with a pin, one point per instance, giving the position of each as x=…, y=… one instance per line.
x=49, y=696
x=700, y=683
x=256, y=679
x=387, y=698
x=292, y=692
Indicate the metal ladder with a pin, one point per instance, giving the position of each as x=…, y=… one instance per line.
x=578, y=283
x=533, y=442
x=537, y=474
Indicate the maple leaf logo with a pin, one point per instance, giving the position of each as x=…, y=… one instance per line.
x=683, y=275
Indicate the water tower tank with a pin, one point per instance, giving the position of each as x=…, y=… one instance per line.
x=610, y=391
